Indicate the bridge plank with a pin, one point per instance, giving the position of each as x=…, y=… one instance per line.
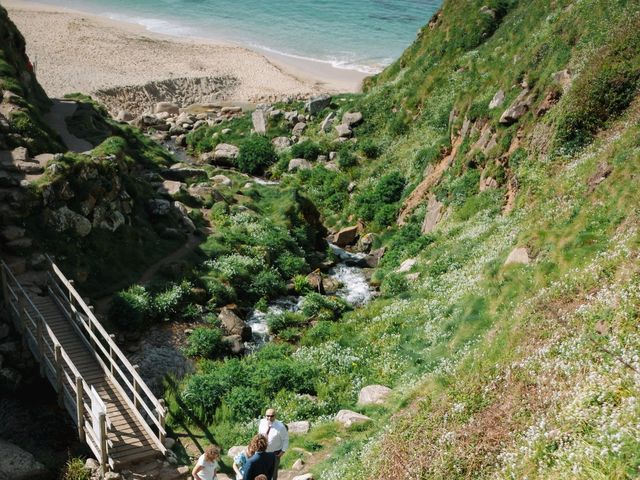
x=130, y=440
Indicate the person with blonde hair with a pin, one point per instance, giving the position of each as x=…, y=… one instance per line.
x=207, y=465
x=240, y=460
x=261, y=462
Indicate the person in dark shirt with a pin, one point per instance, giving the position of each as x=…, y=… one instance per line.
x=261, y=462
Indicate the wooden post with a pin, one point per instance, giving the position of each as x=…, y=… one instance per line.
x=112, y=339
x=162, y=413
x=136, y=388
x=59, y=374
x=40, y=340
x=80, y=408
x=102, y=419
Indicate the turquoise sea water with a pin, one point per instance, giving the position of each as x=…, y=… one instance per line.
x=362, y=35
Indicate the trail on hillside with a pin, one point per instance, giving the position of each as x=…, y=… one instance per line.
x=56, y=119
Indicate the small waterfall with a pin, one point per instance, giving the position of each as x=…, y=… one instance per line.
x=355, y=290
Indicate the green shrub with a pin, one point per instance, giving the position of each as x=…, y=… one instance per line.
x=74, y=470
x=307, y=149
x=301, y=284
x=166, y=304
x=387, y=191
x=603, y=90
x=321, y=307
x=256, y=154
x=204, y=342
x=369, y=148
x=130, y=308
x=266, y=283
x=346, y=159
x=394, y=285
x=243, y=403
x=278, y=322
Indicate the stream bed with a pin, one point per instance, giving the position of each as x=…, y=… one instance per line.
x=355, y=290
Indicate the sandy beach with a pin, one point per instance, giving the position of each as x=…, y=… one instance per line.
x=78, y=52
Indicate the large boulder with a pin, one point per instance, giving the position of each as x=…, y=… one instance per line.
x=518, y=108
x=352, y=119
x=343, y=130
x=225, y=152
x=232, y=324
x=373, y=395
x=17, y=464
x=348, y=418
x=299, y=128
x=344, y=237
x=433, y=216
x=167, y=107
x=373, y=259
x=259, y=119
x=497, y=100
x=299, y=164
x=234, y=344
x=11, y=233
x=222, y=180
x=183, y=213
x=301, y=427
x=318, y=103
x=519, y=255
x=281, y=143
x=159, y=207
x=327, y=122
x=170, y=187
x=182, y=171
x=406, y=265
x=64, y=219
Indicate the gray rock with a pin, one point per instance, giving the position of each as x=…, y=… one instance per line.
x=406, y=265
x=343, y=131
x=167, y=107
x=299, y=164
x=563, y=78
x=373, y=395
x=233, y=324
x=17, y=464
x=222, y=180
x=518, y=108
x=170, y=187
x=300, y=427
x=64, y=219
x=306, y=476
x=352, y=119
x=169, y=443
x=112, y=476
x=433, y=216
x=181, y=171
x=497, y=99
x=226, y=151
x=518, y=255
x=298, y=465
x=327, y=122
x=373, y=259
x=318, y=103
x=365, y=243
x=91, y=464
x=259, y=119
x=299, y=128
x=348, y=418
x=159, y=207
x=412, y=277
x=124, y=116
x=183, y=213
x=281, y=143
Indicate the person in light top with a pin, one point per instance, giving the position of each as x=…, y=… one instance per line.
x=207, y=465
x=277, y=437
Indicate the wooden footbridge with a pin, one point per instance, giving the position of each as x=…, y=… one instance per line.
x=116, y=414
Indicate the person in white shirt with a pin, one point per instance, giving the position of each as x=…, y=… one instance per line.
x=207, y=465
x=277, y=437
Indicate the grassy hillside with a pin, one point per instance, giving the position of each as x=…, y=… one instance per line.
x=503, y=371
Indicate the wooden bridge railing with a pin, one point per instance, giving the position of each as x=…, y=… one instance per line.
x=74, y=393
x=142, y=402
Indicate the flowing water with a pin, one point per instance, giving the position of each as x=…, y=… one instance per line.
x=363, y=35
x=355, y=290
